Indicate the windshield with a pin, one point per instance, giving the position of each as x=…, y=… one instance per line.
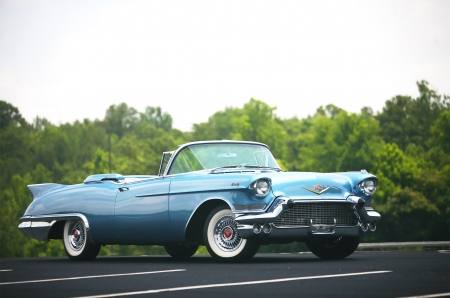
x=210, y=156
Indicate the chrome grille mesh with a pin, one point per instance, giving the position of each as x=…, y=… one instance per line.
x=320, y=213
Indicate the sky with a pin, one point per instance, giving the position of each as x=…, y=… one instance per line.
x=70, y=60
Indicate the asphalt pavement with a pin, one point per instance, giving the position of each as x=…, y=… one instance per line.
x=363, y=274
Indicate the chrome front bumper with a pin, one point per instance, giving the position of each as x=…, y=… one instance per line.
x=251, y=225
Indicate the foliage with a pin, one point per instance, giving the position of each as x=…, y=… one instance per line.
x=406, y=145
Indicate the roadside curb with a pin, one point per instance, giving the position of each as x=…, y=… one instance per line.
x=404, y=244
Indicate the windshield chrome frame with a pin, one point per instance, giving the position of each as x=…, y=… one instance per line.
x=181, y=147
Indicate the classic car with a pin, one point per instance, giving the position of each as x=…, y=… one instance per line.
x=231, y=196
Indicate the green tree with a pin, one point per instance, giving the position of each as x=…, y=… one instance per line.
x=120, y=119
x=9, y=115
x=405, y=120
x=157, y=118
x=339, y=141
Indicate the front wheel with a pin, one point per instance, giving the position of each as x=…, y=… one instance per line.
x=76, y=242
x=333, y=248
x=181, y=250
x=223, y=240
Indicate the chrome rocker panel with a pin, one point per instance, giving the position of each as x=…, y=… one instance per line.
x=38, y=227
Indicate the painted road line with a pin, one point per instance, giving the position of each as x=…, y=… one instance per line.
x=232, y=284
x=431, y=295
x=4, y=270
x=86, y=277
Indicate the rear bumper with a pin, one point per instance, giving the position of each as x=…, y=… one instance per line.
x=38, y=227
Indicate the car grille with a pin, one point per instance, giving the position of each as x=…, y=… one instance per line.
x=320, y=213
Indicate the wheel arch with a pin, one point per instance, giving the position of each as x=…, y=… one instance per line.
x=57, y=229
x=194, y=227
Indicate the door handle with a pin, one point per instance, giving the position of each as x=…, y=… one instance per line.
x=123, y=189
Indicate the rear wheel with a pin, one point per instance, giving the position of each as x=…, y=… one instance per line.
x=76, y=243
x=181, y=250
x=333, y=248
x=223, y=240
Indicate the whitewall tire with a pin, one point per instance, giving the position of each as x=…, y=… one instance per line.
x=222, y=239
x=76, y=242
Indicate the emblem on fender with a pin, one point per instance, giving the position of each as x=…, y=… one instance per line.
x=318, y=189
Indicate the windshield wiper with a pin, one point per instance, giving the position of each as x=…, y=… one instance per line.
x=250, y=166
x=224, y=167
x=262, y=167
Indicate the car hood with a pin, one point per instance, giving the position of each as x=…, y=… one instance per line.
x=309, y=185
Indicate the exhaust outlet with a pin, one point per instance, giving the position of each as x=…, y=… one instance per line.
x=364, y=226
x=372, y=226
x=256, y=228
x=267, y=228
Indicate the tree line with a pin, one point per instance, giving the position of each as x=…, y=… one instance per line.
x=406, y=145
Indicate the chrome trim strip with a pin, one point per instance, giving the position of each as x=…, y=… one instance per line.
x=319, y=200
x=250, y=207
x=55, y=217
x=39, y=226
x=275, y=211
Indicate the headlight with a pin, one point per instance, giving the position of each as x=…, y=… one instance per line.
x=261, y=187
x=368, y=187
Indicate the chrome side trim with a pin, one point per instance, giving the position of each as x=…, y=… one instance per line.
x=39, y=226
x=56, y=217
x=250, y=207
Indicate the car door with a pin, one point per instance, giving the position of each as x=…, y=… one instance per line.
x=142, y=213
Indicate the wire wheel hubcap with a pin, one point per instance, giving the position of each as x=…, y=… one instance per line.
x=76, y=235
x=225, y=234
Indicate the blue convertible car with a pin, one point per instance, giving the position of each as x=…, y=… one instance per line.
x=230, y=196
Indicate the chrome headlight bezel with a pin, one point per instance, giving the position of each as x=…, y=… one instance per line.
x=261, y=187
x=367, y=187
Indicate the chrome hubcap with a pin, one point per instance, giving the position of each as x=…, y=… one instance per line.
x=225, y=234
x=76, y=235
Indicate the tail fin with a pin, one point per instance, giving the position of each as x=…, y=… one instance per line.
x=38, y=189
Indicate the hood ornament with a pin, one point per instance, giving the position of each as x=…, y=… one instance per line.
x=318, y=189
